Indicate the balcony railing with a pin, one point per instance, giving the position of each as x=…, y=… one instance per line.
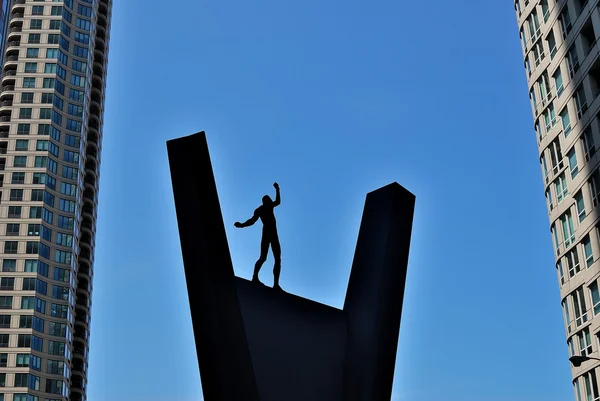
x=84, y=269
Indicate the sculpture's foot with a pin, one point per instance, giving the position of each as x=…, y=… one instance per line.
x=257, y=281
x=276, y=287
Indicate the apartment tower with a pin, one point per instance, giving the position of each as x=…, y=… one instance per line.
x=53, y=55
x=561, y=52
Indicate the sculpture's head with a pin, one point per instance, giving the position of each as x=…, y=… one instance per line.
x=267, y=201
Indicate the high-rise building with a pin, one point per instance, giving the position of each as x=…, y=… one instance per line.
x=52, y=90
x=562, y=63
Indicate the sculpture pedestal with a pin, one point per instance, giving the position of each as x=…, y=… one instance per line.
x=297, y=345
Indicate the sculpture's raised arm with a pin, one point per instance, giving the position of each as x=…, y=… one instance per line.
x=277, y=195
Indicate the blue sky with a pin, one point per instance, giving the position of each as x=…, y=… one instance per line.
x=332, y=99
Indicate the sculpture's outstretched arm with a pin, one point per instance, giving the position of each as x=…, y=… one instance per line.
x=248, y=222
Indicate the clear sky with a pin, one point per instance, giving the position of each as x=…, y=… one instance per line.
x=332, y=99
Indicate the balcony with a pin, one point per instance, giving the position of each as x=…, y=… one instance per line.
x=12, y=58
x=84, y=254
x=94, y=121
x=90, y=165
x=16, y=22
x=100, y=43
x=102, y=20
x=98, y=55
x=79, y=365
x=95, y=174
x=82, y=317
x=12, y=47
x=80, y=351
x=84, y=268
x=18, y=9
x=96, y=91
x=82, y=300
x=75, y=396
x=5, y=108
x=86, y=237
x=93, y=145
x=89, y=210
x=14, y=34
x=8, y=77
x=6, y=95
x=100, y=30
x=97, y=97
x=16, y=16
x=85, y=245
x=10, y=71
x=83, y=283
x=97, y=82
x=4, y=119
x=90, y=181
x=87, y=224
x=88, y=195
x=92, y=136
x=98, y=69
x=95, y=111
x=76, y=382
x=91, y=151
x=103, y=7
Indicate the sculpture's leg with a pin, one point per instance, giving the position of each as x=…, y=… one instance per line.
x=375, y=293
x=276, y=247
x=264, y=251
x=223, y=356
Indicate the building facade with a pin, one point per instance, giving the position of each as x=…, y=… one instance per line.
x=52, y=90
x=562, y=62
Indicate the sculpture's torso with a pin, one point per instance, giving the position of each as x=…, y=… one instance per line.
x=268, y=218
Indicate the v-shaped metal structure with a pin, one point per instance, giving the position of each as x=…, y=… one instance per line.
x=254, y=344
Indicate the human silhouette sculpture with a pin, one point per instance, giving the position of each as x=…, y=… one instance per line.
x=269, y=235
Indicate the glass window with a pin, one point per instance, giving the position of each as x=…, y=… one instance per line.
x=587, y=248
x=581, y=214
x=573, y=163
x=595, y=295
